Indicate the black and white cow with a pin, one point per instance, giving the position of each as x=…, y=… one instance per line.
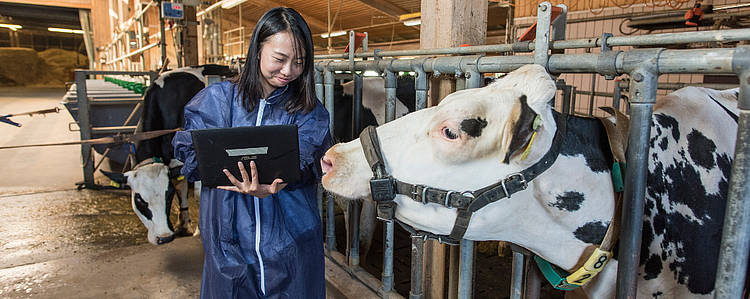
x=156, y=179
x=476, y=137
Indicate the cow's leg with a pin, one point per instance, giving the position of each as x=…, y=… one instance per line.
x=183, y=223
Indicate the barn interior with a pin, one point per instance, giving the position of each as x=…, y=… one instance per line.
x=67, y=231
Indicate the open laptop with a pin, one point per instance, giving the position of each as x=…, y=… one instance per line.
x=275, y=150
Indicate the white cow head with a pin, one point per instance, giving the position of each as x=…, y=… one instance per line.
x=465, y=143
x=152, y=193
x=473, y=139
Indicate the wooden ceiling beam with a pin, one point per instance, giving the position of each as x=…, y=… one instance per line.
x=314, y=23
x=385, y=7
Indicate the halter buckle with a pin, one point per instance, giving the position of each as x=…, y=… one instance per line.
x=414, y=192
x=448, y=199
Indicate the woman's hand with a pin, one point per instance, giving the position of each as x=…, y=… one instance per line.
x=252, y=187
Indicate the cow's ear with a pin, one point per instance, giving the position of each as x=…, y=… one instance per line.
x=117, y=178
x=523, y=127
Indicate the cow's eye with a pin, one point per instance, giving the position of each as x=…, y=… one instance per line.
x=448, y=133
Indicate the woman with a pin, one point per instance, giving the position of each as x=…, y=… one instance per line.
x=263, y=240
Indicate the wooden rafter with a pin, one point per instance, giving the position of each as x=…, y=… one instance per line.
x=385, y=7
x=314, y=23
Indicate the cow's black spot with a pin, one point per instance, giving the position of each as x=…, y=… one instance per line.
x=667, y=121
x=568, y=201
x=653, y=267
x=142, y=206
x=592, y=232
x=588, y=138
x=473, y=126
x=690, y=245
x=701, y=149
x=663, y=144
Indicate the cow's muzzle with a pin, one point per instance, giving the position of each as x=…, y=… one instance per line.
x=164, y=240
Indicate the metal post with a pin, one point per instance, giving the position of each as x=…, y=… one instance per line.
x=473, y=79
x=466, y=270
x=541, y=45
x=567, y=92
x=616, y=95
x=533, y=281
x=735, y=239
x=162, y=38
x=357, y=105
x=593, y=94
x=354, y=209
x=331, y=228
x=390, y=95
x=318, y=85
x=417, y=252
x=516, y=282
x=643, y=71
x=387, y=277
x=85, y=125
x=421, y=84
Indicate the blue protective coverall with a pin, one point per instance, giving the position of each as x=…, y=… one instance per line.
x=259, y=247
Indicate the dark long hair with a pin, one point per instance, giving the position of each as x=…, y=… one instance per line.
x=277, y=20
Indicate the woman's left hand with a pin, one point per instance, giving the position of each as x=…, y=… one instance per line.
x=252, y=186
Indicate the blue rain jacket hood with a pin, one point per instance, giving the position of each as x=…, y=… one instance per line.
x=259, y=247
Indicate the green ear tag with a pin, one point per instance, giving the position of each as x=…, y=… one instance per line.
x=537, y=123
x=617, y=174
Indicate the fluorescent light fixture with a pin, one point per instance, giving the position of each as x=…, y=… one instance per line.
x=333, y=34
x=63, y=30
x=11, y=26
x=414, y=22
x=370, y=74
x=227, y=4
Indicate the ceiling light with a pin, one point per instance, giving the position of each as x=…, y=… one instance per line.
x=333, y=34
x=11, y=26
x=414, y=22
x=64, y=30
x=227, y=4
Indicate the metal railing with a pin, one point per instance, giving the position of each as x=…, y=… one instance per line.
x=643, y=66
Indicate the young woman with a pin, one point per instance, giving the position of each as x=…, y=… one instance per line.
x=263, y=240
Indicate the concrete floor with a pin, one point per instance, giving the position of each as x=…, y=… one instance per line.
x=58, y=242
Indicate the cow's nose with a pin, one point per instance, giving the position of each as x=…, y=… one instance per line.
x=326, y=164
x=164, y=240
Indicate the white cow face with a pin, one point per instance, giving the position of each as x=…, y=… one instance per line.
x=151, y=198
x=472, y=139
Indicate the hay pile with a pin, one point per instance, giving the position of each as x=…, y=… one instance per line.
x=51, y=67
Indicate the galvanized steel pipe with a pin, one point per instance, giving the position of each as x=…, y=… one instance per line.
x=735, y=239
x=329, y=101
x=417, y=253
x=642, y=67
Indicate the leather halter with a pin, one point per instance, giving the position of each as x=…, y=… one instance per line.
x=384, y=187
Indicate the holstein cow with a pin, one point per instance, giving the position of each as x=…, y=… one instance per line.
x=156, y=179
x=478, y=137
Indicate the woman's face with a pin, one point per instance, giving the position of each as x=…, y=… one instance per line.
x=278, y=63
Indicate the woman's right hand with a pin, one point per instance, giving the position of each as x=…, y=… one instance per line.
x=250, y=184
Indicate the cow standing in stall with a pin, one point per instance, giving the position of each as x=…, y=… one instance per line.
x=506, y=138
x=156, y=179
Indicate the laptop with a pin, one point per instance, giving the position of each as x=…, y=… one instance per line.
x=275, y=150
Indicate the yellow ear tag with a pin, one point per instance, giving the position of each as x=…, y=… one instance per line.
x=180, y=178
x=535, y=126
x=114, y=184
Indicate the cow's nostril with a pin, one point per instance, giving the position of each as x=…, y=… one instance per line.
x=326, y=164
